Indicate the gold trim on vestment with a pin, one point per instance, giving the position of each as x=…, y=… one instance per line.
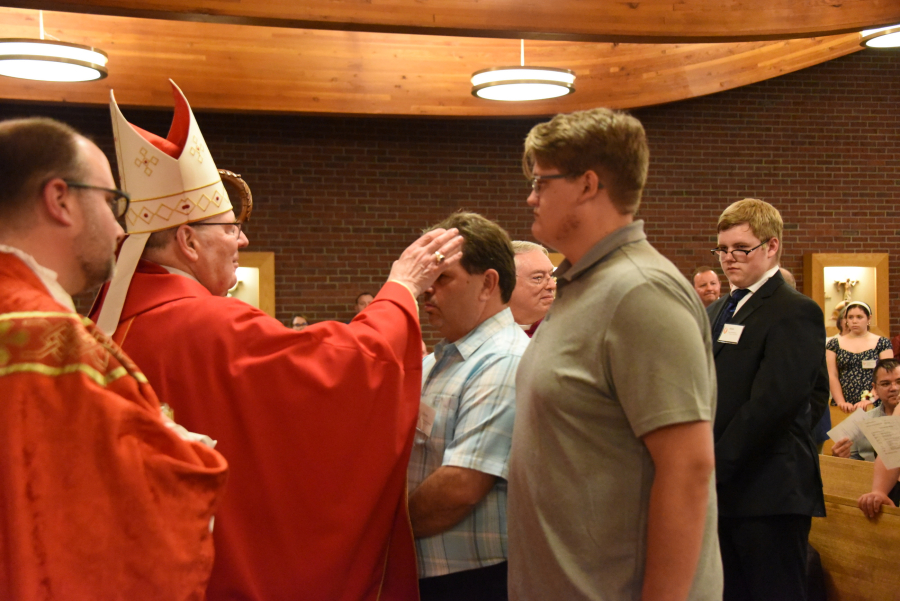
x=47, y=370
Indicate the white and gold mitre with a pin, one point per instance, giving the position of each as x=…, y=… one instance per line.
x=171, y=180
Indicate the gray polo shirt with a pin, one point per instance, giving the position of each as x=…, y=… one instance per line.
x=625, y=349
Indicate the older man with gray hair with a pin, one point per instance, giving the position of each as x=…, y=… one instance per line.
x=535, y=285
x=309, y=516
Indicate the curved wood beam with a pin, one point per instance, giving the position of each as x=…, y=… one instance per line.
x=643, y=21
x=244, y=68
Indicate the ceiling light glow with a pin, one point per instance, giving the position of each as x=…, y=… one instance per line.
x=882, y=37
x=516, y=84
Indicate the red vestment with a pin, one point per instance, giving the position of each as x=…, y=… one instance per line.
x=533, y=328
x=99, y=499
x=317, y=427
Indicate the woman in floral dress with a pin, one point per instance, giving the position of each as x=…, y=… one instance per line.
x=851, y=358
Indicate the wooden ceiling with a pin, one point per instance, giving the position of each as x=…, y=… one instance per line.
x=415, y=57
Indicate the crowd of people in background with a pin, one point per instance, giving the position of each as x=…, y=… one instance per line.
x=299, y=321
x=604, y=429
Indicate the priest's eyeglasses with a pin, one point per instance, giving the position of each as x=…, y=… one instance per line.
x=118, y=202
x=738, y=254
x=539, y=279
x=236, y=226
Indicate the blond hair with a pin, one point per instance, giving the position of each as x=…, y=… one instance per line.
x=764, y=220
x=611, y=143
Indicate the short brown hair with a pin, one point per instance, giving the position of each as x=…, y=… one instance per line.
x=888, y=365
x=864, y=307
x=33, y=151
x=611, y=143
x=764, y=220
x=486, y=246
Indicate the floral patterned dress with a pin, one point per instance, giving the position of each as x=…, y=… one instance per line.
x=853, y=377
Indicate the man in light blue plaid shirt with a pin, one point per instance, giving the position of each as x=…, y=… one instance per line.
x=458, y=469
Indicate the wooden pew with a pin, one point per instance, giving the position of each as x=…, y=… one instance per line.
x=845, y=478
x=859, y=555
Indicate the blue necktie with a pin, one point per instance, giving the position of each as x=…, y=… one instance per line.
x=728, y=312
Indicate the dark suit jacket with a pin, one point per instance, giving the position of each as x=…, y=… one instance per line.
x=769, y=386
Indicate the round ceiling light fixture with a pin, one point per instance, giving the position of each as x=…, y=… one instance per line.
x=883, y=37
x=522, y=83
x=51, y=60
x=517, y=84
x=46, y=60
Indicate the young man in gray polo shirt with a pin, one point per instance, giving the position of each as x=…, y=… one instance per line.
x=611, y=488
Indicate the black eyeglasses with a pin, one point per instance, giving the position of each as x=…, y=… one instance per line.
x=538, y=180
x=739, y=254
x=237, y=226
x=119, y=202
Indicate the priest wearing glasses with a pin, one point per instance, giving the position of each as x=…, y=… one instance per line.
x=317, y=425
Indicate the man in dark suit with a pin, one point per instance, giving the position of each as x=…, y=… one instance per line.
x=769, y=345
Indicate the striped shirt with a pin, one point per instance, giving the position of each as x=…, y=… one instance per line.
x=470, y=384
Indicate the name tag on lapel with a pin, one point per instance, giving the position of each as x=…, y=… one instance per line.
x=868, y=364
x=731, y=333
x=426, y=419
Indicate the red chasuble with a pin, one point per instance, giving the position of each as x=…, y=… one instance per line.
x=317, y=427
x=99, y=499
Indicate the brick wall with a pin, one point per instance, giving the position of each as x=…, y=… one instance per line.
x=823, y=145
x=337, y=199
